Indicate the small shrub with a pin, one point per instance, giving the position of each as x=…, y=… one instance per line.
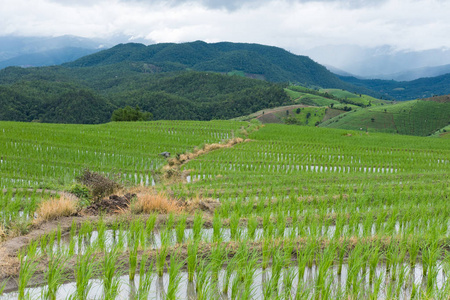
x=154, y=203
x=56, y=207
x=19, y=227
x=99, y=185
x=81, y=191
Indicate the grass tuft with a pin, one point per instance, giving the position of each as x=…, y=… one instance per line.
x=160, y=202
x=56, y=207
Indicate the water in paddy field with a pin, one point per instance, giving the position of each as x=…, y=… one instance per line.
x=261, y=279
x=112, y=238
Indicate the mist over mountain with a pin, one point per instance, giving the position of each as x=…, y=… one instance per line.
x=414, y=74
x=13, y=46
x=383, y=62
x=47, y=58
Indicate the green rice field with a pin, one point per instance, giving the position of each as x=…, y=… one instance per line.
x=298, y=213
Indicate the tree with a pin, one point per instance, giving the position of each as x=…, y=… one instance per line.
x=130, y=114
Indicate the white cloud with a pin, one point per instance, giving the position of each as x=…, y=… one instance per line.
x=290, y=24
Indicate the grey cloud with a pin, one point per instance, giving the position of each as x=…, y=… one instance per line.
x=236, y=4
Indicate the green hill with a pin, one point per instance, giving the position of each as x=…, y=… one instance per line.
x=267, y=62
x=66, y=95
x=172, y=81
x=417, y=117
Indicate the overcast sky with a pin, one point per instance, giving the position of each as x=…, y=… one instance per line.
x=290, y=24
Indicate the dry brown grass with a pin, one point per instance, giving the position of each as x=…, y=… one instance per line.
x=9, y=265
x=56, y=207
x=160, y=202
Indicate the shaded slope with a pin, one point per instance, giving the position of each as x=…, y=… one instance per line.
x=405, y=90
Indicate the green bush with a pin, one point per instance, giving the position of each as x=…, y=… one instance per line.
x=82, y=192
x=130, y=114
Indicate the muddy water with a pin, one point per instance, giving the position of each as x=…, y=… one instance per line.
x=261, y=278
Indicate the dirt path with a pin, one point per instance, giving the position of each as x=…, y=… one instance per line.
x=172, y=171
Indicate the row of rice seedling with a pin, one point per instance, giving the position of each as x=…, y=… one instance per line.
x=290, y=268
x=367, y=219
x=299, y=183
x=53, y=155
x=17, y=209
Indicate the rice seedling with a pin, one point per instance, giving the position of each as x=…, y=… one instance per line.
x=266, y=252
x=413, y=251
x=197, y=226
x=288, y=281
x=27, y=268
x=145, y=279
x=132, y=260
x=174, y=276
x=101, y=237
x=54, y=275
x=249, y=270
x=150, y=224
x=161, y=259
x=202, y=284
x=2, y=287
x=84, y=272
x=229, y=269
x=374, y=257
x=192, y=249
x=217, y=255
x=234, y=225
x=217, y=227
x=181, y=226
x=111, y=274
x=277, y=266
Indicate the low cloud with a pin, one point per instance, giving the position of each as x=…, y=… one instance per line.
x=291, y=24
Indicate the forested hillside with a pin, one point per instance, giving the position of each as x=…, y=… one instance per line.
x=66, y=95
x=270, y=63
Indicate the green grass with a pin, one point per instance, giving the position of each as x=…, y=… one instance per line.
x=357, y=98
x=309, y=116
x=301, y=95
x=416, y=117
x=443, y=132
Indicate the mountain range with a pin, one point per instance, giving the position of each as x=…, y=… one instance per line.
x=195, y=80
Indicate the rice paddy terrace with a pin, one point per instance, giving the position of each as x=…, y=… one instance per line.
x=299, y=213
